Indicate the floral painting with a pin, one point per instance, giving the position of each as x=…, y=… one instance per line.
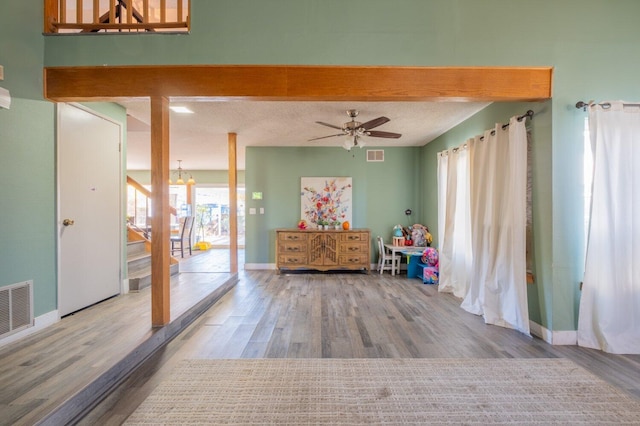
x=326, y=200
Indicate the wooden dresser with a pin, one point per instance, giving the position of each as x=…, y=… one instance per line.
x=323, y=250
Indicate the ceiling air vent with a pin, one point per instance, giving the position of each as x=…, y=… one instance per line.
x=375, y=155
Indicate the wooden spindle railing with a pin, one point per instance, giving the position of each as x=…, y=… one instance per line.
x=115, y=15
x=146, y=193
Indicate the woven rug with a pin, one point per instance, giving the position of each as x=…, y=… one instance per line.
x=385, y=391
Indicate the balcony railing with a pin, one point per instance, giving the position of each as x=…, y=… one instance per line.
x=91, y=16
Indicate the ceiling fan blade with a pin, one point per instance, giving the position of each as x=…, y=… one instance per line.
x=329, y=125
x=324, y=137
x=374, y=123
x=379, y=134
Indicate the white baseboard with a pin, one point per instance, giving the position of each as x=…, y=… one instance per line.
x=568, y=337
x=39, y=323
x=259, y=266
x=556, y=338
x=125, y=286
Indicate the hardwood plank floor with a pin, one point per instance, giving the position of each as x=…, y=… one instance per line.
x=345, y=316
x=41, y=372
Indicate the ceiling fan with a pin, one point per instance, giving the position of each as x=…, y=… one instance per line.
x=354, y=130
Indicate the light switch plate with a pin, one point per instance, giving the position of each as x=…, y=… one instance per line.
x=261, y=210
x=252, y=210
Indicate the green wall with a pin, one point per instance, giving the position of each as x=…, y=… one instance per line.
x=381, y=191
x=592, y=45
x=27, y=217
x=27, y=158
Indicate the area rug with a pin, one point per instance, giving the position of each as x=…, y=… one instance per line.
x=385, y=391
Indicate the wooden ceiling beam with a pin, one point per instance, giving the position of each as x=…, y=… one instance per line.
x=310, y=83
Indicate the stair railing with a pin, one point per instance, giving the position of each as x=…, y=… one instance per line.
x=84, y=16
x=139, y=205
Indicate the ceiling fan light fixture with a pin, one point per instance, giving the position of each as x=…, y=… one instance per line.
x=356, y=130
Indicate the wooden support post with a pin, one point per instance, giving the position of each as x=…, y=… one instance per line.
x=190, y=196
x=233, y=204
x=160, y=226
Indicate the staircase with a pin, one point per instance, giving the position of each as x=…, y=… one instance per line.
x=138, y=243
x=139, y=265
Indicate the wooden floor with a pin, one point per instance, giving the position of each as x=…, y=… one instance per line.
x=345, y=316
x=45, y=376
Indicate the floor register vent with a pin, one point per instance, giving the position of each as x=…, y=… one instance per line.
x=16, y=308
x=375, y=155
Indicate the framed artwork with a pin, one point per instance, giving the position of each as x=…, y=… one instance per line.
x=326, y=200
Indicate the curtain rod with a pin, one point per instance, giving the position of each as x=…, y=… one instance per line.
x=529, y=114
x=605, y=105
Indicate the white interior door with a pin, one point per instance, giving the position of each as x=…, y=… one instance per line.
x=89, y=219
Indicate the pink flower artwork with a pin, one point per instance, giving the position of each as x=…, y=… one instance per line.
x=326, y=200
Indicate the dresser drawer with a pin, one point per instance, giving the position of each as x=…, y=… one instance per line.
x=354, y=237
x=354, y=259
x=292, y=247
x=292, y=259
x=350, y=248
x=292, y=236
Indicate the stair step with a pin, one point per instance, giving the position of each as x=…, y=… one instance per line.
x=139, y=262
x=142, y=278
x=135, y=247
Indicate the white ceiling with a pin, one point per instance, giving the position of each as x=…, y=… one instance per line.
x=200, y=139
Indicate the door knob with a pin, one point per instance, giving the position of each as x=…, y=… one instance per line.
x=68, y=222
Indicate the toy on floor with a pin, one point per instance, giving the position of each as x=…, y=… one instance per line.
x=431, y=261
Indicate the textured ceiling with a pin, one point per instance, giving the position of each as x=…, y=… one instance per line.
x=200, y=139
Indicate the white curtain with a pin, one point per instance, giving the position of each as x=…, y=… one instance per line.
x=498, y=183
x=609, y=316
x=454, y=221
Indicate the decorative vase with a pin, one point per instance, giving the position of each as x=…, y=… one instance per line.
x=345, y=225
x=337, y=227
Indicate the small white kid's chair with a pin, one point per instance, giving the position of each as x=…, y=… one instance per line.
x=385, y=259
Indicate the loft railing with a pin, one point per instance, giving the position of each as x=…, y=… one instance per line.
x=86, y=16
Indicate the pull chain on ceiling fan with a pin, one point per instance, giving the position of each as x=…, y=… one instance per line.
x=354, y=130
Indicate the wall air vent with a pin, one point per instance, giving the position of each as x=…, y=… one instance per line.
x=375, y=155
x=16, y=308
